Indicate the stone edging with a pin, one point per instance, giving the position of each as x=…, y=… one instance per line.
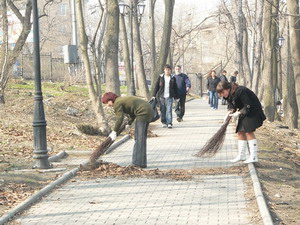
x=261, y=202
x=65, y=177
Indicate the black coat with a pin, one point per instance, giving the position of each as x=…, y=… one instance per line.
x=212, y=83
x=245, y=101
x=159, y=87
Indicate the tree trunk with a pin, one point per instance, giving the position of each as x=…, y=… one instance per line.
x=126, y=53
x=294, y=23
x=8, y=58
x=269, y=75
x=166, y=36
x=258, y=49
x=83, y=44
x=152, y=42
x=290, y=108
x=138, y=58
x=111, y=47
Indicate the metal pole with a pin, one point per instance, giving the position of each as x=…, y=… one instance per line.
x=74, y=23
x=132, y=86
x=39, y=122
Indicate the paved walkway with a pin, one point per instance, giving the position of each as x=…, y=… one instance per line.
x=206, y=199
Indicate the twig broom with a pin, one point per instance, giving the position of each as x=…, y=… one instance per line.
x=214, y=144
x=100, y=150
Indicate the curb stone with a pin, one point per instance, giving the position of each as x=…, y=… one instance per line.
x=65, y=177
x=261, y=202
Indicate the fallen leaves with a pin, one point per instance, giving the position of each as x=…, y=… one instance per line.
x=113, y=170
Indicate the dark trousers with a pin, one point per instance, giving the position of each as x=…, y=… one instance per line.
x=139, y=156
x=180, y=106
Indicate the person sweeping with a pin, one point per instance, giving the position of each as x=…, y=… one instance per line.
x=137, y=109
x=244, y=106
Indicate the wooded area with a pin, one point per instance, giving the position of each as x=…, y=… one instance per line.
x=254, y=28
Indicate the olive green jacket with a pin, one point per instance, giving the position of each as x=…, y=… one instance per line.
x=135, y=107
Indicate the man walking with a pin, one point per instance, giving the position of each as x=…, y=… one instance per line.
x=183, y=85
x=165, y=90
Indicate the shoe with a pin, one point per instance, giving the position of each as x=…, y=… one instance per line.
x=253, y=152
x=179, y=119
x=164, y=125
x=242, y=146
x=170, y=126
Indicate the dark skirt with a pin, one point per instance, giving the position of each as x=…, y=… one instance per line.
x=250, y=123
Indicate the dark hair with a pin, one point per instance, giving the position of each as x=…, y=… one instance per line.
x=167, y=66
x=223, y=85
x=109, y=96
x=178, y=66
x=224, y=71
x=236, y=72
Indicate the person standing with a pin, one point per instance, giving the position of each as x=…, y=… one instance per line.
x=165, y=90
x=183, y=85
x=233, y=78
x=244, y=106
x=223, y=77
x=137, y=109
x=212, y=83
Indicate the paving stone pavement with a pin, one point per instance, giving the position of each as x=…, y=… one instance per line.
x=205, y=199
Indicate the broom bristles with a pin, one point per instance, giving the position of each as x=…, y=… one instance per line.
x=101, y=149
x=214, y=144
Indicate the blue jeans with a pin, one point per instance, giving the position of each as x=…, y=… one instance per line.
x=165, y=105
x=213, y=99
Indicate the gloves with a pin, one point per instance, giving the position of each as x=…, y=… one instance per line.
x=113, y=135
x=127, y=127
x=235, y=115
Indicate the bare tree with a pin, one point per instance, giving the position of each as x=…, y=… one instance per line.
x=290, y=108
x=138, y=56
x=294, y=24
x=166, y=38
x=111, y=39
x=94, y=92
x=8, y=57
x=152, y=41
x=258, y=43
x=126, y=53
x=270, y=57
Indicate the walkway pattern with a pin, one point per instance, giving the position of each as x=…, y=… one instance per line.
x=205, y=199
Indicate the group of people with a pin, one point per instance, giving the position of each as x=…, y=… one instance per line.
x=167, y=88
x=212, y=81
x=243, y=105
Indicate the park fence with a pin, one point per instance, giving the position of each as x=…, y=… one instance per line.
x=52, y=69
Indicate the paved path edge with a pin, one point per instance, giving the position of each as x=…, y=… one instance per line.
x=65, y=177
x=261, y=202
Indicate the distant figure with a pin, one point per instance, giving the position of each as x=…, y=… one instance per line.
x=233, y=78
x=165, y=90
x=138, y=109
x=244, y=106
x=212, y=83
x=183, y=86
x=223, y=77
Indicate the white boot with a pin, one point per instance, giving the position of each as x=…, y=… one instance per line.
x=242, y=146
x=253, y=152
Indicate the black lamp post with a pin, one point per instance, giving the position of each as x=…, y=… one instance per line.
x=130, y=10
x=39, y=122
